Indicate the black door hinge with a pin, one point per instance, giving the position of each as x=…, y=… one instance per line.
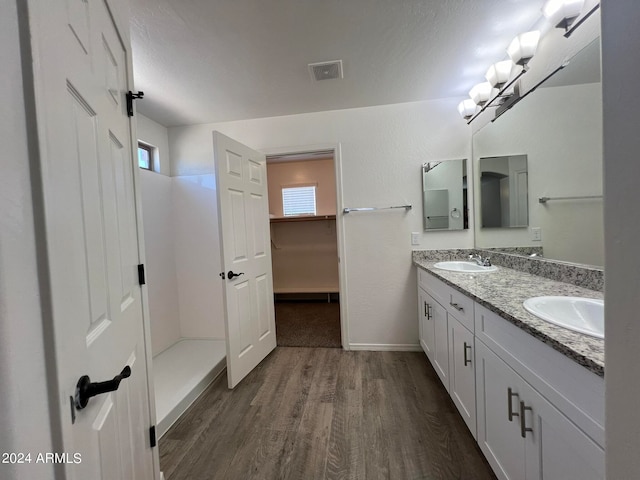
x=152, y=436
x=130, y=98
x=141, y=279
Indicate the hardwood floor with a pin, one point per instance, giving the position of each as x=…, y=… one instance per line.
x=325, y=413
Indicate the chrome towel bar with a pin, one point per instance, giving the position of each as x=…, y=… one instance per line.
x=374, y=209
x=585, y=197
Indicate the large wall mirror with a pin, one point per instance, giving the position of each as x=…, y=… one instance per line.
x=444, y=195
x=559, y=130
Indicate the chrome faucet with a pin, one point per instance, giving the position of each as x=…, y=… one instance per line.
x=483, y=262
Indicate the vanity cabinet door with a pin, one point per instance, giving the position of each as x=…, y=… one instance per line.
x=434, y=334
x=425, y=323
x=499, y=390
x=555, y=447
x=440, y=359
x=462, y=378
x=535, y=442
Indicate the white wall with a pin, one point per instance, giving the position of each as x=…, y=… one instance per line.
x=157, y=217
x=564, y=153
x=197, y=256
x=162, y=284
x=25, y=424
x=621, y=77
x=382, y=151
x=154, y=134
x=180, y=230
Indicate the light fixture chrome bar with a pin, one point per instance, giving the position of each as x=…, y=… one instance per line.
x=375, y=209
x=570, y=31
x=584, y=197
x=500, y=93
x=520, y=98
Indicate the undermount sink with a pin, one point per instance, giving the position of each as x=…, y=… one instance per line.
x=465, y=267
x=583, y=315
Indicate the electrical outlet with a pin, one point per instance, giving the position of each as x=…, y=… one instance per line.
x=536, y=234
x=415, y=238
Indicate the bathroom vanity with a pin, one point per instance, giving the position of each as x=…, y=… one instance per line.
x=530, y=392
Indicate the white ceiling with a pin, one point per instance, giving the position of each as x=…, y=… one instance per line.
x=201, y=61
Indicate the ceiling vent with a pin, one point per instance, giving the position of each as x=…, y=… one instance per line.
x=326, y=70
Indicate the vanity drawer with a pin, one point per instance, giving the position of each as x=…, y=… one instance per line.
x=434, y=287
x=456, y=303
x=425, y=279
x=461, y=307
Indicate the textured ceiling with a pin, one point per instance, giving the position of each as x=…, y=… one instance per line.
x=202, y=61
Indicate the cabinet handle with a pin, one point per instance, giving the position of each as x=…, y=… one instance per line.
x=456, y=306
x=510, y=396
x=427, y=310
x=523, y=420
x=467, y=361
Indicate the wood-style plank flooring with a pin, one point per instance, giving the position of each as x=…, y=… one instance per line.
x=325, y=413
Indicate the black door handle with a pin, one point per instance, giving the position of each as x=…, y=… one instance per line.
x=231, y=275
x=85, y=389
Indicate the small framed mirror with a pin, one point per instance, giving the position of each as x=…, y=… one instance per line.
x=444, y=195
x=504, y=191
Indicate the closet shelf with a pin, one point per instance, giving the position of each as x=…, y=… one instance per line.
x=302, y=218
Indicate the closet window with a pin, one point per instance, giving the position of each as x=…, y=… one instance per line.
x=145, y=156
x=299, y=200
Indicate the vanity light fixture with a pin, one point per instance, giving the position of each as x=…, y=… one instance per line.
x=499, y=73
x=481, y=93
x=562, y=13
x=467, y=108
x=523, y=47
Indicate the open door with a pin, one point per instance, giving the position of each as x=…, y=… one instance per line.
x=243, y=213
x=82, y=72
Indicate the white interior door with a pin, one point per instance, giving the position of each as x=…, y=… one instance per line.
x=243, y=213
x=81, y=75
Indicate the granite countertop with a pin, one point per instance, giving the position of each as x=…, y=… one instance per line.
x=504, y=291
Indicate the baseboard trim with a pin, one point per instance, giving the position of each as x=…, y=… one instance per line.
x=386, y=347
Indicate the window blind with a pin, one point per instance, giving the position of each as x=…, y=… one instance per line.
x=299, y=201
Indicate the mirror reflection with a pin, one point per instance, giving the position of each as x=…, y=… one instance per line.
x=559, y=128
x=444, y=195
x=503, y=191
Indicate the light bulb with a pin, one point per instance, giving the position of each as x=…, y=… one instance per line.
x=481, y=93
x=499, y=73
x=467, y=108
x=523, y=47
x=562, y=13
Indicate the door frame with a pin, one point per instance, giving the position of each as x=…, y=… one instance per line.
x=144, y=291
x=340, y=233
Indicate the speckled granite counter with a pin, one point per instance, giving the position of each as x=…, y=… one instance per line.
x=504, y=291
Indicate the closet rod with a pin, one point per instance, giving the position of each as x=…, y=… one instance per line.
x=374, y=209
x=585, y=197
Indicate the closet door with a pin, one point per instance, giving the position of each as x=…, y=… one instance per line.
x=243, y=213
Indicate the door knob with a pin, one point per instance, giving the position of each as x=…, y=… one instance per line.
x=231, y=275
x=85, y=388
